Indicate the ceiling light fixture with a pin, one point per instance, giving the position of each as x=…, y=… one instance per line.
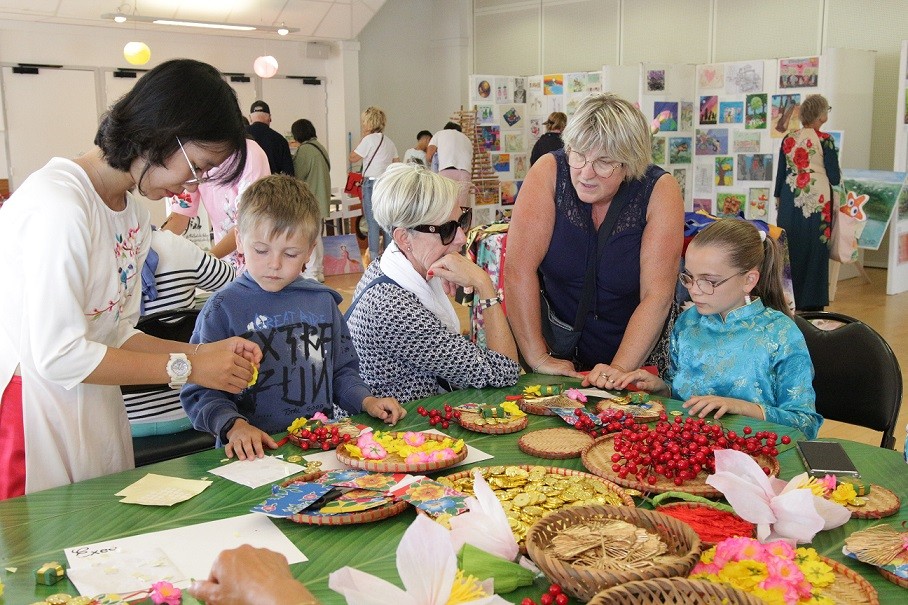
x=282, y=30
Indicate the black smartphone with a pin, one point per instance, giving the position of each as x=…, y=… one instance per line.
x=826, y=458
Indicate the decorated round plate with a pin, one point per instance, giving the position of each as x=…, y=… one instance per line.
x=541, y=406
x=495, y=426
x=597, y=458
x=367, y=516
x=555, y=444
x=345, y=427
x=395, y=464
x=881, y=502
x=528, y=492
x=849, y=586
x=642, y=412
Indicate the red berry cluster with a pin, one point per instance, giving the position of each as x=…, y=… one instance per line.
x=611, y=421
x=681, y=449
x=436, y=417
x=554, y=596
x=323, y=437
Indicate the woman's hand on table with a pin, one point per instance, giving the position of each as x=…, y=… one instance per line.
x=226, y=365
x=701, y=405
x=642, y=381
x=457, y=270
x=247, y=441
x=251, y=576
x=386, y=409
x=556, y=367
x=603, y=376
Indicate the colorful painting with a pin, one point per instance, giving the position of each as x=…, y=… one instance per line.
x=342, y=254
x=886, y=191
x=755, y=112
x=679, y=150
x=512, y=115
x=703, y=204
x=680, y=175
x=746, y=141
x=502, y=90
x=514, y=141
x=709, y=110
x=509, y=191
x=742, y=78
x=786, y=114
x=655, y=80
x=711, y=76
x=799, y=73
x=536, y=128
x=658, y=150
x=594, y=81
x=730, y=204
x=725, y=172
x=519, y=164
x=485, y=114
x=553, y=84
x=575, y=82
x=667, y=115
x=712, y=141
x=731, y=112
x=490, y=137
x=483, y=88
x=757, y=200
x=501, y=162
x=755, y=167
x=686, y=115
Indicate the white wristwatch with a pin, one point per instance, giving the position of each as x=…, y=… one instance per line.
x=178, y=368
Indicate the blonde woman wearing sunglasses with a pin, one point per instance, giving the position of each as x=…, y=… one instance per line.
x=403, y=325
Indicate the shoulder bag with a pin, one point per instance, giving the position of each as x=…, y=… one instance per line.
x=354, y=186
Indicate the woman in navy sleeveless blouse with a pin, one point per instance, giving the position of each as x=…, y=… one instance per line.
x=563, y=202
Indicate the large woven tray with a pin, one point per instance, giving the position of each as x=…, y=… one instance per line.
x=584, y=582
x=597, y=458
x=394, y=464
x=673, y=591
x=555, y=444
x=897, y=580
x=849, y=587
x=880, y=503
x=468, y=420
x=541, y=406
x=634, y=410
x=366, y=516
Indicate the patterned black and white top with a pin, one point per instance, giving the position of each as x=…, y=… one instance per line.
x=404, y=349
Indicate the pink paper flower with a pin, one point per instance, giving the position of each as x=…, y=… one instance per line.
x=576, y=395
x=414, y=439
x=165, y=593
x=319, y=416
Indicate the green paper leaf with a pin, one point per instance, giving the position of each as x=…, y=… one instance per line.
x=508, y=576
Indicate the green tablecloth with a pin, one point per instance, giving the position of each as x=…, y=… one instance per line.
x=35, y=529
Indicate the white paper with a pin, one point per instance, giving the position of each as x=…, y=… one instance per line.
x=191, y=549
x=258, y=471
x=123, y=571
x=594, y=392
x=331, y=463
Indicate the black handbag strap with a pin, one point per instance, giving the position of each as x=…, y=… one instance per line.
x=589, y=282
x=374, y=153
x=320, y=151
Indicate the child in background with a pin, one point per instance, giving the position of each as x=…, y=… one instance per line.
x=417, y=155
x=309, y=364
x=732, y=353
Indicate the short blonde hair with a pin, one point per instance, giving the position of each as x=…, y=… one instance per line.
x=373, y=119
x=557, y=121
x=284, y=202
x=813, y=108
x=407, y=195
x=607, y=124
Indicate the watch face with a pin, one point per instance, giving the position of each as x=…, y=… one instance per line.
x=180, y=367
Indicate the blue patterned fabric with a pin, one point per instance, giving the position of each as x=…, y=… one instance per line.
x=756, y=354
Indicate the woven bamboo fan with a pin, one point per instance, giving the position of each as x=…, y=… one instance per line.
x=584, y=581
x=555, y=444
x=673, y=591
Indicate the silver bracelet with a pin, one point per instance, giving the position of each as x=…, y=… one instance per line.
x=544, y=359
x=197, y=348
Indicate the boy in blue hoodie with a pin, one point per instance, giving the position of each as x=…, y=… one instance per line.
x=309, y=364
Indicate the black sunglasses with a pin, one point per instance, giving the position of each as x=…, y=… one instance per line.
x=448, y=231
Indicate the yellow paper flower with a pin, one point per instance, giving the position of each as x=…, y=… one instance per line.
x=534, y=390
x=465, y=589
x=743, y=574
x=804, y=554
x=811, y=483
x=818, y=599
x=846, y=494
x=354, y=451
x=707, y=557
x=297, y=425
x=512, y=410
x=818, y=573
x=771, y=597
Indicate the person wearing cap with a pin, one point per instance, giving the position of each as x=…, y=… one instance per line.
x=275, y=145
x=551, y=140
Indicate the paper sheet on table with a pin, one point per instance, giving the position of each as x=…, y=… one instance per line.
x=258, y=471
x=593, y=392
x=331, y=463
x=161, y=490
x=191, y=549
x=125, y=570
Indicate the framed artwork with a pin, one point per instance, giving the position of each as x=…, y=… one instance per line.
x=709, y=110
x=712, y=141
x=342, y=254
x=799, y=73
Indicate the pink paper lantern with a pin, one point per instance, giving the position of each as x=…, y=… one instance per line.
x=265, y=66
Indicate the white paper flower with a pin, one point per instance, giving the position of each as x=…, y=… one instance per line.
x=485, y=526
x=780, y=510
x=427, y=565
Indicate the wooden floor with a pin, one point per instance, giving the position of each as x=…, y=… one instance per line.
x=888, y=315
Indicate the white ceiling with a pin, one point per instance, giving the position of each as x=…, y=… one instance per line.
x=316, y=19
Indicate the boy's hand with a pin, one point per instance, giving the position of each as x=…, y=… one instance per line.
x=384, y=408
x=247, y=442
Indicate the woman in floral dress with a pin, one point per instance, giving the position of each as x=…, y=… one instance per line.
x=808, y=168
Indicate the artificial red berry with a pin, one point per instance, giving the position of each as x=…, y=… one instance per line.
x=326, y=446
x=445, y=424
x=561, y=599
x=555, y=590
x=546, y=599
x=528, y=601
x=747, y=430
x=786, y=439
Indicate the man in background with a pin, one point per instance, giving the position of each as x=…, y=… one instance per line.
x=275, y=145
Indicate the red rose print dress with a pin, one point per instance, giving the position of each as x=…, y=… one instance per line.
x=808, y=167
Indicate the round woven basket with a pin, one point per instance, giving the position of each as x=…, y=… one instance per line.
x=582, y=581
x=639, y=414
x=542, y=406
x=304, y=478
x=468, y=421
x=554, y=444
x=673, y=591
x=880, y=503
x=366, y=516
x=897, y=580
x=849, y=586
x=394, y=464
x=597, y=458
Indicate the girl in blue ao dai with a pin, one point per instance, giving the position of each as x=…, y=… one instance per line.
x=737, y=350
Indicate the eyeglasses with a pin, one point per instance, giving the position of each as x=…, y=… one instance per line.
x=196, y=180
x=602, y=168
x=706, y=286
x=448, y=231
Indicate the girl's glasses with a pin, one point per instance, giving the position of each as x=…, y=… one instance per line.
x=448, y=231
x=602, y=168
x=706, y=286
x=196, y=180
